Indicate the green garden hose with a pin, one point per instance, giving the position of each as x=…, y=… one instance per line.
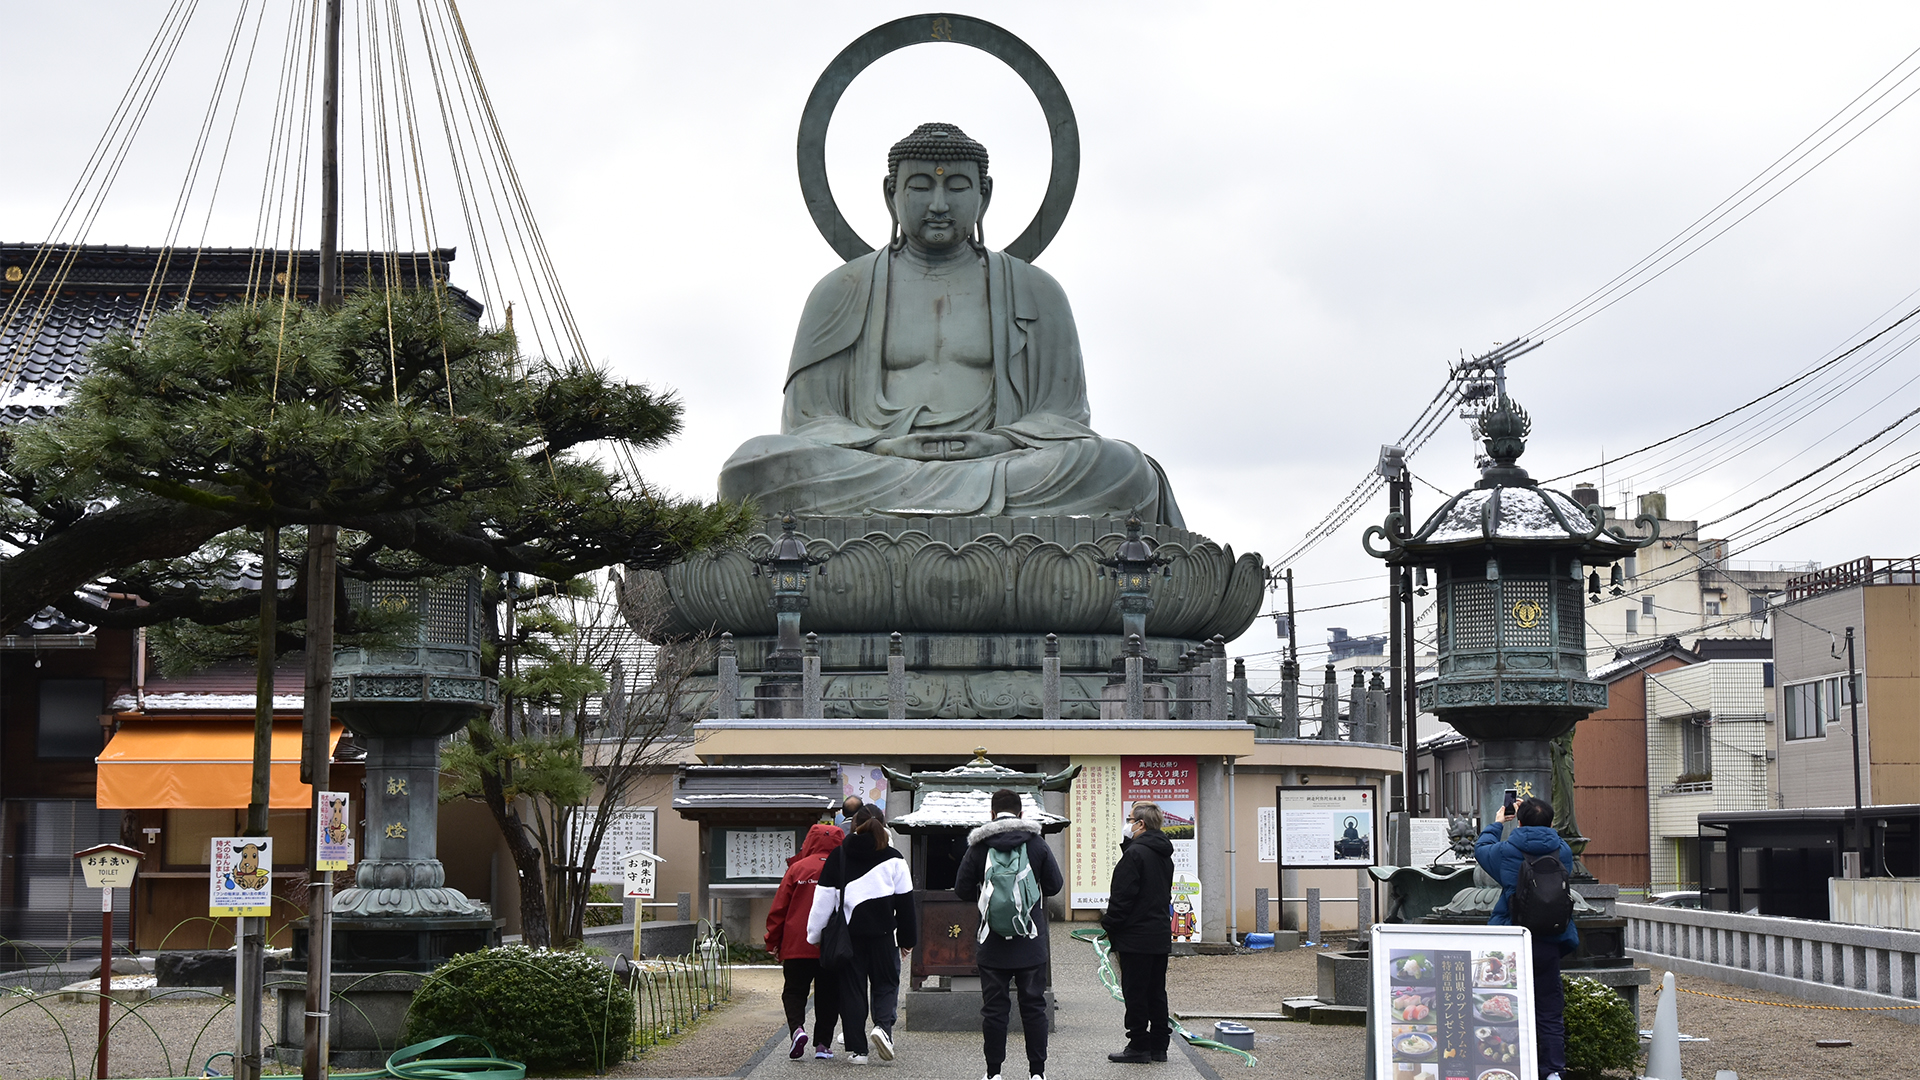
x=411, y=1063
x=1111, y=980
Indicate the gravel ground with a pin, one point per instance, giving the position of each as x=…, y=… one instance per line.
x=1757, y=1041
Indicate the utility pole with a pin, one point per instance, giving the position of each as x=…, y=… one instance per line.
x=322, y=546
x=1400, y=653
x=1409, y=695
x=1853, y=697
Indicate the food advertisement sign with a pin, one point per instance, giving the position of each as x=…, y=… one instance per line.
x=1093, y=840
x=1327, y=826
x=242, y=876
x=335, y=841
x=1452, y=1003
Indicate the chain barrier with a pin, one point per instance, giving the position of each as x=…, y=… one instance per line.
x=1110, y=979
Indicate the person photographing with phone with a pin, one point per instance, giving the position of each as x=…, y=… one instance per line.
x=1534, y=868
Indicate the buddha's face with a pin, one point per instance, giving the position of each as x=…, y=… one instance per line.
x=938, y=203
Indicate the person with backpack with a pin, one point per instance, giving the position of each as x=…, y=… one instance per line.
x=1010, y=871
x=799, y=960
x=867, y=880
x=1139, y=926
x=1534, y=868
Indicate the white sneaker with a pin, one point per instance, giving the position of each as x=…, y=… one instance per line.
x=857, y=1059
x=992, y=1076
x=1036, y=1076
x=882, y=1044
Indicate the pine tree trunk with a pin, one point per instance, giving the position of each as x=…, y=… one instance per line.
x=535, y=925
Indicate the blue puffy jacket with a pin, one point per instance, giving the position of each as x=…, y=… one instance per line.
x=1502, y=858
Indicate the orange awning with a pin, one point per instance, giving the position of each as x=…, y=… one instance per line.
x=198, y=765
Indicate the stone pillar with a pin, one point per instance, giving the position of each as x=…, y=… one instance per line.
x=1136, y=677
x=1357, y=709
x=1524, y=764
x=1313, y=915
x=1050, y=681
x=1239, y=688
x=727, y=692
x=1377, y=710
x=1330, y=707
x=1262, y=899
x=403, y=820
x=810, y=677
x=1215, y=899
x=896, y=679
x=1218, y=684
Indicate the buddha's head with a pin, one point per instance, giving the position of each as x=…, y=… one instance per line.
x=937, y=188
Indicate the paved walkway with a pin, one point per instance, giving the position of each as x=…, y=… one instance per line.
x=1087, y=1027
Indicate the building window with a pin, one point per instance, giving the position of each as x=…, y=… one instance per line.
x=1756, y=604
x=1633, y=621
x=1713, y=607
x=70, y=718
x=1696, y=752
x=1646, y=606
x=1810, y=706
x=1422, y=790
x=1633, y=567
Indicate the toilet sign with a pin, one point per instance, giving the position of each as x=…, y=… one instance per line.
x=640, y=873
x=108, y=866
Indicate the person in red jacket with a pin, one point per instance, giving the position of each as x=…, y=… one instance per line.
x=799, y=960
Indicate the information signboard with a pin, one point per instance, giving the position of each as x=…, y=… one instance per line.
x=242, y=876
x=1429, y=839
x=1267, y=829
x=1093, y=840
x=1452, y=1003
x=631, y=829
x=1328, y=827
x=640, y=875
x=751, y=856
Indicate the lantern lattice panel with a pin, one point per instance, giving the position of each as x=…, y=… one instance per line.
x=1528, y=616
x=1474, y=617
x=1573, y=615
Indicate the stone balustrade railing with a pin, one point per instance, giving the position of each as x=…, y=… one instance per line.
x=1821, y=962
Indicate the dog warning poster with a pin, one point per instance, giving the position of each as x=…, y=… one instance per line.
x=242, y=876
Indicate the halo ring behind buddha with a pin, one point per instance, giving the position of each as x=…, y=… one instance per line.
x=913, y=30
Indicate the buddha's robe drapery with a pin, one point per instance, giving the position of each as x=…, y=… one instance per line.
x=837, y=406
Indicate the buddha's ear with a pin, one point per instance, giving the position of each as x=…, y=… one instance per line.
x=986, y=194
x=887, y=188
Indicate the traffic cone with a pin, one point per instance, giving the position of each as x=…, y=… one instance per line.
x=1663, y=1056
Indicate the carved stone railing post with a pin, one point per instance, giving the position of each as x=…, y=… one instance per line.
x=810, y=677
x=1377, y=709
x=896, y=679
x=1136, y=679
x=727, y=693
x=1183, y=707
x=1240, y=690
x=1357, y=708
x=1218, y=711
x=1330, y=707
x=1050, y=680
x=1289, y=699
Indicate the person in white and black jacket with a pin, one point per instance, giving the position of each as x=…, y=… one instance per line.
x=869, y=880
x=1021, y=961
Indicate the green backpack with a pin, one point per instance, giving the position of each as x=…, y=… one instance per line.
x=1008, y=894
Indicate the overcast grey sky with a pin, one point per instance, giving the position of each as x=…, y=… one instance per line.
x=1290, y=218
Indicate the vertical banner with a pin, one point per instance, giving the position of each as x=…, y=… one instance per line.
x=1172, y=784
x=241, y=878
x=1267, y=820
x=1093, y=840
x=335, y=848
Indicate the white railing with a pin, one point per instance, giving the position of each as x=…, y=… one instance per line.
x=1823, y=962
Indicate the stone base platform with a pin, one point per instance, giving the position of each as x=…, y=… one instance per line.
x=369, y=1017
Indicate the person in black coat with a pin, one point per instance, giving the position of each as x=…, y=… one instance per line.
x=1020, y=960
x=1140, y=929
x=867, y=878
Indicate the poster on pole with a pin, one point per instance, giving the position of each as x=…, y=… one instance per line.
x=241, y=878
x=334, y=849
x=1184, y=911
x=1093, y=840
x=1452, y=1003
x=1172, y=784
x=1327, y=827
